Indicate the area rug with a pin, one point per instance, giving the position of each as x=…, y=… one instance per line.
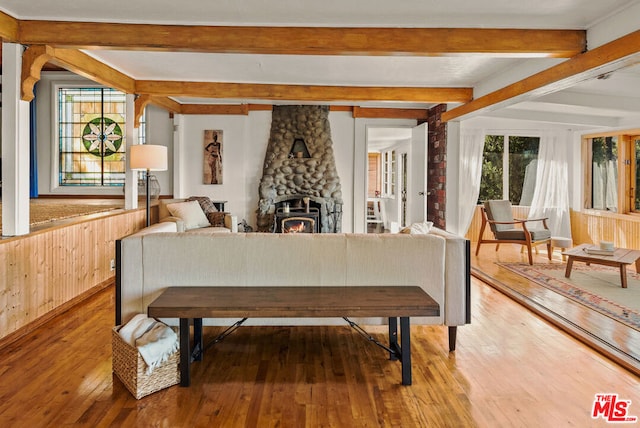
x=42, y=213
x=595, y=286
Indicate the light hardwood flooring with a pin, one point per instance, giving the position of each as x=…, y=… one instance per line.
x=610, y=337
x=511, y=369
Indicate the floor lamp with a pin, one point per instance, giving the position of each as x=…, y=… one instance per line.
x=148, y=157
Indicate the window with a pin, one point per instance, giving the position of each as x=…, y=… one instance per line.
x=612, y=172
x=91, y=137
x=509, y=168
x=389, y=173
x=604, y=173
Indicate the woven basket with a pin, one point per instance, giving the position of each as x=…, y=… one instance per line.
x=131, y=369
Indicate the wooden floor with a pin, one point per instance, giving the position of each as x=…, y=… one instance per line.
x=610, y=337
x=511, y=369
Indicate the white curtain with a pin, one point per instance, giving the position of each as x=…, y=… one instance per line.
x=470, y=174
x=551, y=195
x=604, y=183
x=612, y=186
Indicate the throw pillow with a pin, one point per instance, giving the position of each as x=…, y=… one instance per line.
x=190, y=213
x=418, y=228
x=205, y=203
x=216, y=218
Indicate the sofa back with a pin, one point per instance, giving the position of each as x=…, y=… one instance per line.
x=149, y=263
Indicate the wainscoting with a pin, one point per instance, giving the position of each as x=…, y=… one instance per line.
x=47, y=271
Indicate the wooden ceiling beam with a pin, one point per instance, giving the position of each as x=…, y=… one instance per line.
x=33, y=59
x=223, y=109
x=139, y=105
x=390, y=113
x=302, y=92
x=358, y=112
x=87, y=66
x=609, y=57
x=9, y=28
x=166, y=103
x=306, y=40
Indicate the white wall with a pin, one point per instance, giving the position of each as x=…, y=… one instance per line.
x=245, y=141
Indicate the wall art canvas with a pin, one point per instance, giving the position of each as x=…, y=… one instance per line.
x=212, y=157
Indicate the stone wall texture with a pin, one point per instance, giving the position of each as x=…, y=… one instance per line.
x=289, y=175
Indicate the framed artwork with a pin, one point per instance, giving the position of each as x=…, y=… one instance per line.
x=212, y=171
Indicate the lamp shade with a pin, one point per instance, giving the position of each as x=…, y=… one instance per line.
x=148, y=157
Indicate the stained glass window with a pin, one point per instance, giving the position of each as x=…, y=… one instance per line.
x=91, y=137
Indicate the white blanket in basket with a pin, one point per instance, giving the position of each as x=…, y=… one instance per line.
x=155, y=341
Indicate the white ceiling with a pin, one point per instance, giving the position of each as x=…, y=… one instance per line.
x=577, y=14
x=579, y=105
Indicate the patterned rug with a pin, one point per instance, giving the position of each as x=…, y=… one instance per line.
x=42, y=213
x=595, y=286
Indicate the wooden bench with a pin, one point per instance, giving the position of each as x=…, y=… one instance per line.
x=192, y=304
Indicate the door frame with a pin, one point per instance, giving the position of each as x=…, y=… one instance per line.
x=361, y=142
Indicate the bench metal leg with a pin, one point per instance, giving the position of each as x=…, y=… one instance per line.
x=405, y=335
x=198, y=345
x=185, y=353
x=393, y=339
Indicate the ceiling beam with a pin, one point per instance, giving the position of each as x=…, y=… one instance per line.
x=9, y=27
x=139, y=105
x=390, y=113
x=612, y=56
x=166, y=103
x=306, y=40
x=555, y=117
x=87, y=66
x=33, y=59
x=599, y=101
x=244, y=109
x=237, y=109
x=302, y=92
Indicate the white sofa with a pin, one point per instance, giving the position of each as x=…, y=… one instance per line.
x=230, y=221
x=151, y=260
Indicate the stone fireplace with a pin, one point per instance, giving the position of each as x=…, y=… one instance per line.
x=299, y=169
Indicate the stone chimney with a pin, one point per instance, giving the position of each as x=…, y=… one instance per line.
x=299, y=163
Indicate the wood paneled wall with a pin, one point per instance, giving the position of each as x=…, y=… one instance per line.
x=589, y=226
x=592, y=226
x=43, y=273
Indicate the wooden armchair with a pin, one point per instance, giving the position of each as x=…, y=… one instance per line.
x=508, y=230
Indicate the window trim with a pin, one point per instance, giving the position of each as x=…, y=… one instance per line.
x=506, y=135
x=389, y=173
x=54, y=185
x=626, y=168
x=633, y=137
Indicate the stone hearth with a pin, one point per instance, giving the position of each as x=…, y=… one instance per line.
x=299, y=163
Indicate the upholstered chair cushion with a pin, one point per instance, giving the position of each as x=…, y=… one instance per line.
x=518, y=234
x=499, y=211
